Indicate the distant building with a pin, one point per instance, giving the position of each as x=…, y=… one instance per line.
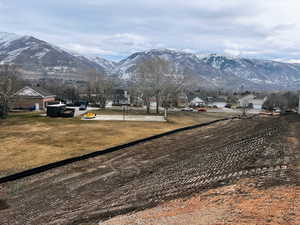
x=120, y=97
x=197, y=101
x=218, y=102
x=245, y=100
x=251, y=100
x=182, y=100
x=31, y=98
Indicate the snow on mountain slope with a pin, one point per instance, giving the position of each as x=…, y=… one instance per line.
x=43, y=59
x=221, y=71
x=261, y=72
x=182, y=61
x=186, y=63
x=106, y=64
x=40, y=59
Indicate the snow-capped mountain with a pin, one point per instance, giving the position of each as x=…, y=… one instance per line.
x=182, y=61
x=219, y=71
x=40, y=59
x=261, y=72
x=186, y=63
x=106, y=64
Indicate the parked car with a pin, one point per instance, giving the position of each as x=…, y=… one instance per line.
x=266, y=113
x=277, y=110
x=228, y=106
x=201, y=110
x=188, y=109
x=82, y=107
x=68, y=113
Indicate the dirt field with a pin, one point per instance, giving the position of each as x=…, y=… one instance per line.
x=29, y=140
x=242, y=203
x=234, y=172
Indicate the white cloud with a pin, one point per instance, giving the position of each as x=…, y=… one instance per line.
x=233, y=52
x=293, y=61
x=287, y=60
x=267, y=29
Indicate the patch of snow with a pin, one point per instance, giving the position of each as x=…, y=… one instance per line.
x=41, y=54
x=107, y=64
x=12, y=55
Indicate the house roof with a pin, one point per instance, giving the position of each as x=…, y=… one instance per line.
x=197, y=99
x=34, y=92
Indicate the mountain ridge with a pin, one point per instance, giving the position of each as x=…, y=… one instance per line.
x=223, y=71
x=40, y=59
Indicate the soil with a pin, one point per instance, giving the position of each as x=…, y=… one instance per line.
x=234, y=172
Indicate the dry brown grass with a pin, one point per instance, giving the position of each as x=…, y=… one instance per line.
x=29, y=140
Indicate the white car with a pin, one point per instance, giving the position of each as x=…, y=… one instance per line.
x=188, y=109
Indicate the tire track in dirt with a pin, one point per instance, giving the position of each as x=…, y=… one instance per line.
x=146, y=174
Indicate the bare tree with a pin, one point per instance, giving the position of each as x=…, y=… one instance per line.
x=156, y=78
x=9, y=82
x=100, y=87
x=283, y=101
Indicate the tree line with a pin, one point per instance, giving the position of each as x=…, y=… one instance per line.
x=153, y=80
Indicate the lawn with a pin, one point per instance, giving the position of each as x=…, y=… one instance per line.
x=29, y=140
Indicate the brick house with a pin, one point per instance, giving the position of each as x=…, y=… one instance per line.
x=31, y=98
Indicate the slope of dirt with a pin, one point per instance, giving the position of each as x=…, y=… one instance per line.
x=239, y=204
x=247, y=159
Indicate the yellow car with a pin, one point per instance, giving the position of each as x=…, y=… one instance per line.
x=89, y=115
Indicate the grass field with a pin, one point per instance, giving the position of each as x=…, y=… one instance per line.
x=29, y=140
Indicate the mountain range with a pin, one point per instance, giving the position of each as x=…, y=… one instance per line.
x=42, y=60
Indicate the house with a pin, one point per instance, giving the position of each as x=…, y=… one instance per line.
x=182, y=100
x=245, y=100
x=31, y=98
x=197, y=101
x=218, y=102
x=251, y=101
x=120, y=97
x=258, y=103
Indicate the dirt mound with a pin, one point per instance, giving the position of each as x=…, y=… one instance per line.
x=238, y=204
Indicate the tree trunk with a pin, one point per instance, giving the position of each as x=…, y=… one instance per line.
x=3, y=106
x=157, y=104
x=147, y=101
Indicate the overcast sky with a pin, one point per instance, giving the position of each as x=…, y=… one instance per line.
x=114, y=29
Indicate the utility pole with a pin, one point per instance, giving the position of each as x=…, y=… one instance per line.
x=243, y=102
x=299, y=104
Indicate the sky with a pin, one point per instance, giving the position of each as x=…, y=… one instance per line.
x=114, y=29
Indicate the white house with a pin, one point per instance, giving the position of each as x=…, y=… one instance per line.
x=197, y=102
x=258, y=103
x=218, y=102
x=246, y=100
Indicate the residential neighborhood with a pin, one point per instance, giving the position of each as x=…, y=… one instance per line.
x=36, y=98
